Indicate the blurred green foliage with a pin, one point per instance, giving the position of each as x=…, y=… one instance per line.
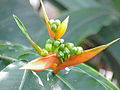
x=97, y=19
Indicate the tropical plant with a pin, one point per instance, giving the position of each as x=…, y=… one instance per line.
x=13, y=56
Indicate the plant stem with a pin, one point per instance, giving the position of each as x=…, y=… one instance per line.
x=9, y=59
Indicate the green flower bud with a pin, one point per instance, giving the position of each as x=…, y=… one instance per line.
x=57, y=22
x=74, y=50
x=54, y=27
x=48, y=47
x=51, y=21
x=61, y=56
x=44, y=52
x=62, y=46
x=50, y=41
x=79, y=50
x=56, y=43
x=65, y=57
x=66, y=51
x=61, y=40
x=69, y=45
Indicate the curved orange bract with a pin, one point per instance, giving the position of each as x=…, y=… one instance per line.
x=62, y=29
x=83, y=57
x=51, y=33
x=42, y=63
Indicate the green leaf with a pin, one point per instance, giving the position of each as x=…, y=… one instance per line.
x=115, y=4
x=10, y=53
x=78, y=77
x=28, y=56
x=78, y=4
x=111, y=56
x=24, y=30
x=38, y=80
x=3, y=64
x=83, y=24
x=13, y=51
x=22, y=27
x=9, y=31
x=14, y=79
x=90, y=71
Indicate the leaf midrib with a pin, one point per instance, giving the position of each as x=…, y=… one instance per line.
x=92, y=77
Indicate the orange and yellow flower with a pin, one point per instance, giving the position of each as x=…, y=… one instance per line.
x=51, y=59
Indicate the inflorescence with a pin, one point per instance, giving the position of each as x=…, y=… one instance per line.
x=62, y=50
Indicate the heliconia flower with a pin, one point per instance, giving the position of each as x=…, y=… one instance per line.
x=52, y=61
x=55, y=52
x=61, y=28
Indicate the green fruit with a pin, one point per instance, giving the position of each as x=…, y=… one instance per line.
x=79, y=50
x=51, y=21
x=65, y=57
x=56, y=43
x=50, y=41
x=48, y=47
x=61, y=40
x=74, y=50
x=54, y=27
x=44, y=52
x=62, y=46
x=66, y=51
x=61, y=56
x=69, y=45
x=57, y=22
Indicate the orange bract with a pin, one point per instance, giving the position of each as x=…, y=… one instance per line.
x=51, y=61
x=61, y=28
x=42, y=63
x=83, y=57
x=51, y=33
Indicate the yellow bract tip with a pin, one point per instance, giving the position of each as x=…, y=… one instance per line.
x=61, y=29
x=113, y=41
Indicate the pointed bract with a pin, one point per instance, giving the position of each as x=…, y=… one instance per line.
x=61, y=29
x=51, y=33
x=85, y=56
x=24, y=30
x=42, y=63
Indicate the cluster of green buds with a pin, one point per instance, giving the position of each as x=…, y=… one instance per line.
x=54, y=24
x=52, y=45
x=68, y=49
x=62, y=50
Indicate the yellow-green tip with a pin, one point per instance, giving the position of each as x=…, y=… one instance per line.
x=113, y=41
